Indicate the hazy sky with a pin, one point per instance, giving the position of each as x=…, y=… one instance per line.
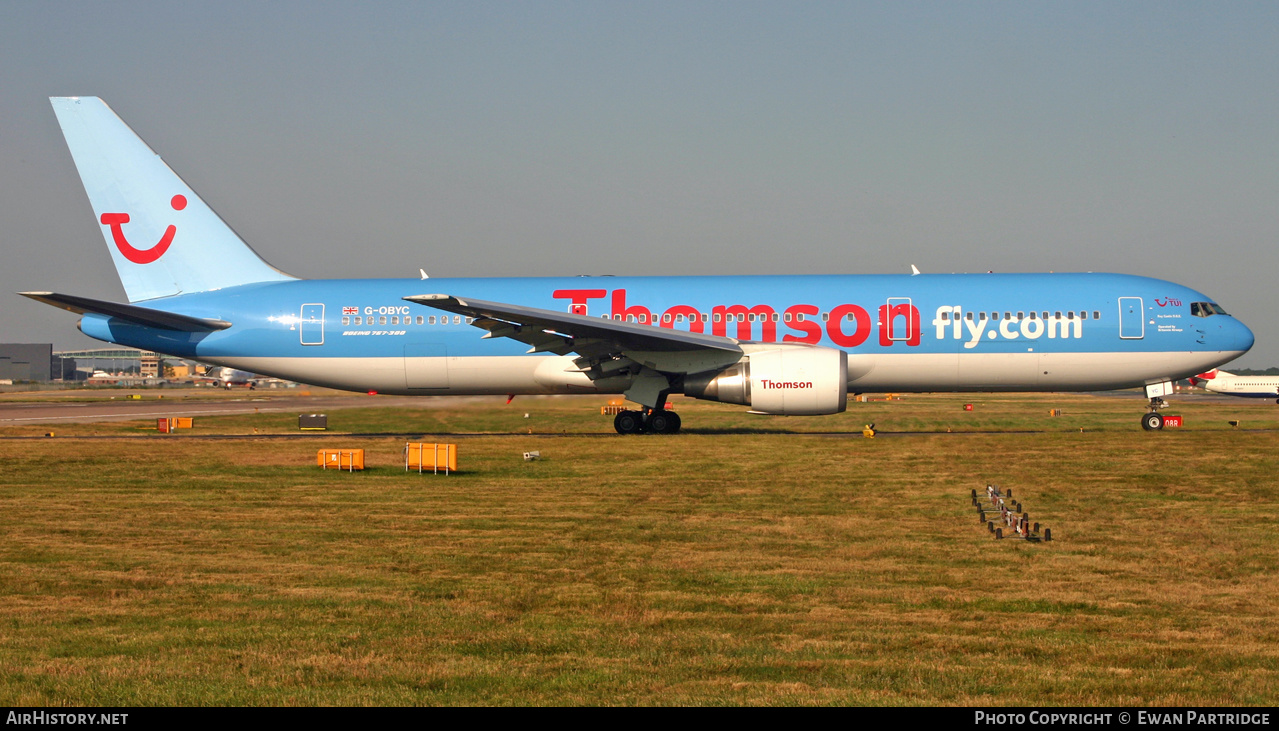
x=538, y=138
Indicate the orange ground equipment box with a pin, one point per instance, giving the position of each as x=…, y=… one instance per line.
x=173, y=423
x=430, y=457
x=341, y=459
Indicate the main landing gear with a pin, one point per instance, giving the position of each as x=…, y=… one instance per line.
x=656, y=421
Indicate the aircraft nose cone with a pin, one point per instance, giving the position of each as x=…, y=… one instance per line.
x=1238, y=336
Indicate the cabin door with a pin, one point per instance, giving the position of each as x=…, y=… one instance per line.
x=1132, y=323
x=900, y=320
x=311, y=325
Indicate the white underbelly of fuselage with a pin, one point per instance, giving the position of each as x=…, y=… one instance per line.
x=907, y=372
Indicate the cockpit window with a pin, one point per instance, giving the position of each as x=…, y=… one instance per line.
x=1206, y=309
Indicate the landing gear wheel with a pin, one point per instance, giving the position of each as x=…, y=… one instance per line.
x=663, y=422
x=1152, y=421
x=629, y=422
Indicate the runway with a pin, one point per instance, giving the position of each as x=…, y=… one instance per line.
x=151, y=407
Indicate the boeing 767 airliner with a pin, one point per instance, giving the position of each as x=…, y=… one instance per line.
x=776, y=344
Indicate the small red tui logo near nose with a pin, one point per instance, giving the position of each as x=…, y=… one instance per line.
x=141, y=256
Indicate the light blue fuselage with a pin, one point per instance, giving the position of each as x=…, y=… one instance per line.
x=1096, y=330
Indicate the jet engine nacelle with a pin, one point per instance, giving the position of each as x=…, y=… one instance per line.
x=792, y=380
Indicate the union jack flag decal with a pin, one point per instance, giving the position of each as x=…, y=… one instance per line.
x=350, y=310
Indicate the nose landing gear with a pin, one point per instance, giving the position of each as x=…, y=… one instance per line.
x=1153, y=420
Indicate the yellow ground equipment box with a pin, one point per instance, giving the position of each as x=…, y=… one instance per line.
x=433, y=457
x=341, y=459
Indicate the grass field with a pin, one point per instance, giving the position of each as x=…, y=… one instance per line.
x=747, y=561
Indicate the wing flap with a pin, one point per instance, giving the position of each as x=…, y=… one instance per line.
x=633, y=335
x=595, y=339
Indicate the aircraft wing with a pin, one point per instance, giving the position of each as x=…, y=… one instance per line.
x=595, y=339
x=131, y=313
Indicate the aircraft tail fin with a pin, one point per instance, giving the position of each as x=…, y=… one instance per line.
x=164, y=240
x=1205, y=377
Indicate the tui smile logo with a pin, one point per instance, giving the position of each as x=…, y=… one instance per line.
x=142, y=256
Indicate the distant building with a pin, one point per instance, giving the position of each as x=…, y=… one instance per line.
x=110, y=359
x=29, y=362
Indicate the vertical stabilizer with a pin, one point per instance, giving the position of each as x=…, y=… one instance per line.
x=163, y=238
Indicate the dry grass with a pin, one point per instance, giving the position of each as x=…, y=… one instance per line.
x=729, y=567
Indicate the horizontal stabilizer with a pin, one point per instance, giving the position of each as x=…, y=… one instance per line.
x=144, y=316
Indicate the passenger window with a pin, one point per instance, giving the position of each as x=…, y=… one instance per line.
x=381, y=320
x=346, y=320
x=679, y=318
x=1020, y=315
x=968, y=316
x=1070, y=315
x=981, y=315
x=419, y=319
x=994, y=316
x=395, y=320
x=1096, y=314
x=457, y=319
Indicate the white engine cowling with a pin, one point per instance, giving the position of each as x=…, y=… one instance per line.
x=793, y=380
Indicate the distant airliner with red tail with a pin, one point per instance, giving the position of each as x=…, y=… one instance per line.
x=777, y=344
x=1219, y=381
